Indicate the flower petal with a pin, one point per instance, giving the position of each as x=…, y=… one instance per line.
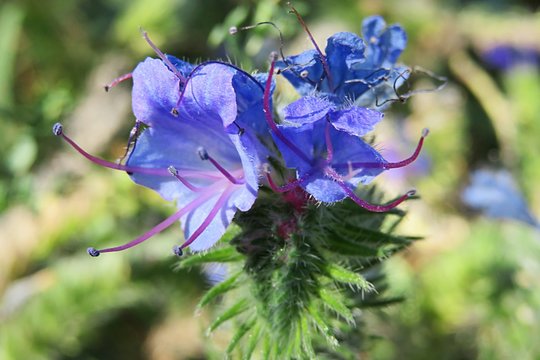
x=209, y=95
x=342, y=51
x=355, y=120
x=155, y=92
x=303, y=71
x=307, y=110
x=177, y=145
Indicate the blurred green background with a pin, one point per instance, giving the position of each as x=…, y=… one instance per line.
x=472, y=285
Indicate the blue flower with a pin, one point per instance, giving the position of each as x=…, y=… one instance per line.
x=322, y=143
x=496, y=194
x=194, y=149
x=351, y=65
x=506, y=57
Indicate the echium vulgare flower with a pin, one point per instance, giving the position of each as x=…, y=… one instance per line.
x=192, y=148
x=350, y=66
x=322, y=142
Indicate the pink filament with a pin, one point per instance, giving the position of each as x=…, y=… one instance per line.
x=323, y=57
x=268, y=115
x=134, y=169
x=389, y=165
x=364, y=204
x=163, y=57
x=184, y=181
x=162, y=225
x=289, y=186
x=211, y=215
x=111, y=165
x=329, y=147
x=118, y=80
x=225, y=173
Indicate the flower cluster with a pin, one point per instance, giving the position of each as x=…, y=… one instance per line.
x=205, y=134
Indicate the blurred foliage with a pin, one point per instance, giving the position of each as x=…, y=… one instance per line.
x=471, y=287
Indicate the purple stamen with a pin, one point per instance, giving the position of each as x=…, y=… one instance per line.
x=158, y=228
x=329, y=147
x=58, y=131
x=163, y=57
x=364, y=204
x=177, y=250
x=174, y=172
x=284, y=188
x=414, y=156
x=211, y=215
x=117, y=81
x=204, y=156
x=268, y=113
x=312, y=39
x=388, y=165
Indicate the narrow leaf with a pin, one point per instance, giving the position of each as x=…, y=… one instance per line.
x=239, y=334
x=228, y=314
x=333, y=302
x=222, y=255
x=342, y=275
x=219, y=289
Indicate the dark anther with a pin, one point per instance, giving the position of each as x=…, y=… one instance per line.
x=411, y=193
x=107, y=88
x=92, y=252
x=202, y=153
x=57, y=129
x=273, y=56
x=172, y=170
x=177, y=250
x=174, y=111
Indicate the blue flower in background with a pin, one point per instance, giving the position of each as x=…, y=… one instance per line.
x=506, y=57
x=194, y=149
x=322, y=143
x=351, y=66
x=496, y=194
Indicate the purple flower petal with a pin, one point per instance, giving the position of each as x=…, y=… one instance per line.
x=355, y=120
x=307, y=109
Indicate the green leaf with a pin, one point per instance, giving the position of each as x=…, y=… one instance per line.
x=219, y=289
x=307, y=345
x=238, y=308
x=253, y=341
x=239, y=334
x=342, y=275
x=222, y=255
x=335, y=304
x=323, y=327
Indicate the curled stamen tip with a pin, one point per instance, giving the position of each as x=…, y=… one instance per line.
x=202, y=153
x=57, y=129
x=411, y=193
x=93, y=252
x=172, y=170
x=425, y=132
x=177, y=250
x=273, y=56
x=233, y=30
